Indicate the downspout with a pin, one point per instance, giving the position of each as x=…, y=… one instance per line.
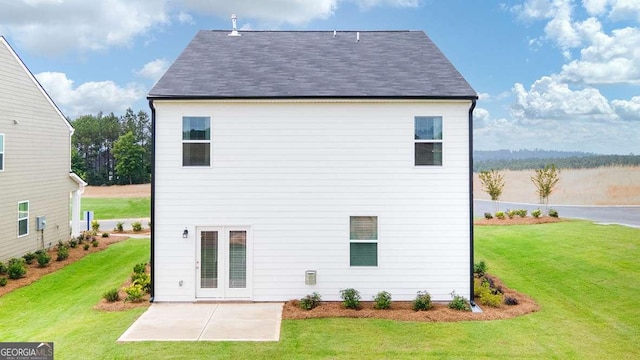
x=473, y=106
x=153, y=192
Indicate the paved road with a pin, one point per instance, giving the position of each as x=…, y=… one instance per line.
x=623, y=215
x=109, y=225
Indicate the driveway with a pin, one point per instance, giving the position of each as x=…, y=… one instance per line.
x=622, y=215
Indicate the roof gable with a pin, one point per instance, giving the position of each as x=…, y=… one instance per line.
x=293, y=64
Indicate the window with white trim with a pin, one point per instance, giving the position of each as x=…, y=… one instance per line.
x=428, y=140
x=1, y=152
x=196, y=141
x=363, y=241
x=23, y=218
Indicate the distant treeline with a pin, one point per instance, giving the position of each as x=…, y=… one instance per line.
x=484, y=162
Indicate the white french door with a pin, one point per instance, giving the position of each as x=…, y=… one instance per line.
x=223, y=263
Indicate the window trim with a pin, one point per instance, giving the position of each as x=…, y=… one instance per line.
x=367, y=241
x=428, y=141
x=183, y=141
x=23, y=218
x=2, y=162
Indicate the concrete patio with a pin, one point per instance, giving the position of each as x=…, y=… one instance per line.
x=207, y=322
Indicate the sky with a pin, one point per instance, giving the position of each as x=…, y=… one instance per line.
x=550, y=74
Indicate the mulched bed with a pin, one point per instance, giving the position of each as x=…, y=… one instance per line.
x=401, y=310
x=121, y=305
x=518, y=221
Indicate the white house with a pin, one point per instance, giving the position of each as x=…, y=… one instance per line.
x=292, y=162
x=37, y=187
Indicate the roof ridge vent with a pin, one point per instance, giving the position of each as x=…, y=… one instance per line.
x=234, y=23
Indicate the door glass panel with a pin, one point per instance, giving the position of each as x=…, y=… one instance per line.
x=237, y=259
x=209, y=259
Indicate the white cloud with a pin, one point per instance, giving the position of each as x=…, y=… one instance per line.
x=397, y=3
x=90, y=97
x=54, y=27
x=185, y=18
x=154, y=69
x=627, y=110
x=480, y=117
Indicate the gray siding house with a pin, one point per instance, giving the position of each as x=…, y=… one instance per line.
x=35, y=161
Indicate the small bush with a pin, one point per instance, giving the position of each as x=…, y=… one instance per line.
x=350, y=298
x=43, y=259
x=500, y=215
x=310, y=301
x=95, y=243
x=136, y=226
x=142, y=279
x=459, y=302
x=509, y=300
x=3, y=281
x=488, y=216
x=73, y=243
x=134, y=293
x=105, y=235
x=487, y=295
x=95, y=225
x=29, y=257
x=382, y=300
x=536, y=213
x=3, y=268
x=553, y=213
x=60, y=244
x=480, y=268
x=119, y=226
x=422, y=302
x=522, y=212
x=63, y=253
x=139, y=268
x=85, y=247
x=511, y=214
x=16, y=268
x=111, y=295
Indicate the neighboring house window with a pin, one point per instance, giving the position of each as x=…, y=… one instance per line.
x=23, y=218
x=196, y=141
x=1, y=152
x=428, y=140
x=363, y=241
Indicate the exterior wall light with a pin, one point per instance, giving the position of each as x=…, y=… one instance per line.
x=185, y=233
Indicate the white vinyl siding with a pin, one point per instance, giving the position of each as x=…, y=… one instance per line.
x=295, y=172
x=23, y=218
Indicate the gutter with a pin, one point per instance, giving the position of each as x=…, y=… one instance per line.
x=471, y=233
x=153, y=192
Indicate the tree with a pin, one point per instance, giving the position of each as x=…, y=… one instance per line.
x=492, y=183
x=545, y=180
x=129, y=157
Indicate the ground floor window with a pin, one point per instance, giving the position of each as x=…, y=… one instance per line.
x=23, y=218
x=363, y=241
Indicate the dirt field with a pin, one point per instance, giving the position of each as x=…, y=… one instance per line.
x=600, y=186
x=117, y=191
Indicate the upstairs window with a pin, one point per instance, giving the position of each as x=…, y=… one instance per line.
x=1, y=152
x=363, y=241
x=23, y=218
x=196, y=141
x=428, y=140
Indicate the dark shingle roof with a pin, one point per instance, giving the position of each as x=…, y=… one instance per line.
x=290, y=64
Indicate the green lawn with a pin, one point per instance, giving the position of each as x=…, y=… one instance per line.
x=117, y=208
x=584, y=276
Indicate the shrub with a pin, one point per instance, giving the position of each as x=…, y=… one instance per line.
x=488, y=215
x=149, y=224
x=136, y=226
x=60, y=244
x=43, y=259
x=134, y=293
x=3, y=281
x=29, y=257
x=3, y=268
x=95, y=243
x=310, y=301
x=500, y=215
x=511, y=213
x=487, y=295
x=553, y=213
x=459, y=302
x=63, y=253
x=522, y=212
x=85, y=247
x=111, y=295
x=105, y=235
x=119, y=226
x=16, y=268
x=480, y=268
x=422, y=301
x=350, y=298
x=382, y=300
x=142, y=279
x=95, y=225
x=536, y=213
x=139, y=268
x=73, y=243
x=509, y=300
